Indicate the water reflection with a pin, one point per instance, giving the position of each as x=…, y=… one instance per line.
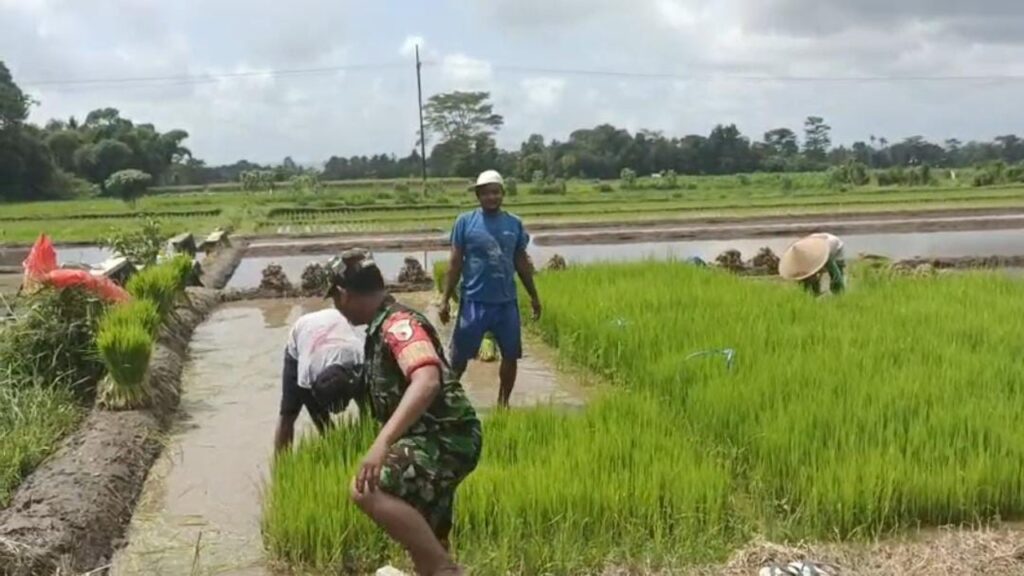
x=899, y=246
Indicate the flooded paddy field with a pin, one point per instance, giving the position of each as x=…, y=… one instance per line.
x=201, y=506
x=898, y=246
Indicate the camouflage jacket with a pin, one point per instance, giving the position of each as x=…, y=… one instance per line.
x=398, y=341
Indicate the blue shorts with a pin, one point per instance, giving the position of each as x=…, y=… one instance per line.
x=478, y=318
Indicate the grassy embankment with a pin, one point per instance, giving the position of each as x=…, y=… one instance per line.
x=53, y=355
x=842, y=418
x=381, y=207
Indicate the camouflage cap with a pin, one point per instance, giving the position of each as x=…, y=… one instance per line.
x=336, y=265
x=357, y=274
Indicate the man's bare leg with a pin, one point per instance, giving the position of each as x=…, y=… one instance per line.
x=407, y=526
x=507, y=376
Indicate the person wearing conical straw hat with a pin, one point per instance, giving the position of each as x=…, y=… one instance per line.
x=807, y=259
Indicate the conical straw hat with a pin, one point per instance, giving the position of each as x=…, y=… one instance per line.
x=804, y=258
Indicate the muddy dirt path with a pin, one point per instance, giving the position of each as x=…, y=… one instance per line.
x=200, y=509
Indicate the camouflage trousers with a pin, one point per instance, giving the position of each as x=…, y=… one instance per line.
x=424, y=471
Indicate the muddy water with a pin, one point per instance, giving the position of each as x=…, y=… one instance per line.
x=249, y=271
x=9, y=283
x=893, y=245
x=537, y=381
x=200, y=509
x=65, y=255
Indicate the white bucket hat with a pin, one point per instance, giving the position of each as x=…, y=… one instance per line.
x=489, y=177
x=804, y=258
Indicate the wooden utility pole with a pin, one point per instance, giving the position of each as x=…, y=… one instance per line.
x=423, y=134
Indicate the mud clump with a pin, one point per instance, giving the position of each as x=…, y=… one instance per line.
x=275, y=280
x=315, y=278
x=413, y=273
x=731, y=260
x=556, y=262
x=765, y=262
x=218, y=268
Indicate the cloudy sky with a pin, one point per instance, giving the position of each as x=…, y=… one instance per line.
x=262, y=79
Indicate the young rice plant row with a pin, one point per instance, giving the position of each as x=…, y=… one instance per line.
x=894, y=406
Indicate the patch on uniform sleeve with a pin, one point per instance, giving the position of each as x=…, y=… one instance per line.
x=401, y=330
x=409, y=343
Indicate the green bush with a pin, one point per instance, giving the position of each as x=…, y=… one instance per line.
x=628, y=177
x=604, y=188
x=511, y=186
x=556, y=188
x=52, y=341
x=128, y=185
x=851, y=173
x=141, y=245
x=125, y=349
x=990, y=174
x=669, y=180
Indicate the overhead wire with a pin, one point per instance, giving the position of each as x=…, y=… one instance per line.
x=189, y=79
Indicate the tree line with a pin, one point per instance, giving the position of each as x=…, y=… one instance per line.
x=65, y=157
x=70, y=157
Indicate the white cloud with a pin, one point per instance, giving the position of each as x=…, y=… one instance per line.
x=409, y=46
x=708, y=45
x=543, y=93
x=463, y=72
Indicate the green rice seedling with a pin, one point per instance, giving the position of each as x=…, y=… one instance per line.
x=160, y=284
x=183, y=267
x=125, y=350
x=139, y=312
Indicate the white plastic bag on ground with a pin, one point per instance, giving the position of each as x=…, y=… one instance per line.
x=390, y=571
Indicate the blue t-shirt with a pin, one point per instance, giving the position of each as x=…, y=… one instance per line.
x=489, y=243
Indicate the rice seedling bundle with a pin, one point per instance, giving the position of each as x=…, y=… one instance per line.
x=735, y=408
x=160, y=284
x=138, y=312
x=125, y=349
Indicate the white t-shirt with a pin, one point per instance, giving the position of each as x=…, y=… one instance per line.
x=835, y=245
x=320, y=339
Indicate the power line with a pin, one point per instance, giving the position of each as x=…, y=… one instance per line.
x=735, y=77
x=189, y=79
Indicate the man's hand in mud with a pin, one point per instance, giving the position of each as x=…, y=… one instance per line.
x=445, y=312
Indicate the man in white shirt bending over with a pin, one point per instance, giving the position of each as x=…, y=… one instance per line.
x=322, y=363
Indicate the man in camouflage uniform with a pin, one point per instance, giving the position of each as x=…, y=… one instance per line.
x=430, y=437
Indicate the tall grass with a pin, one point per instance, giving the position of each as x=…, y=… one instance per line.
x=48, y=366
x=894, y=406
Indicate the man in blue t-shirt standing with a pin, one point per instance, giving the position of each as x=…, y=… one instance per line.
x=488, y=251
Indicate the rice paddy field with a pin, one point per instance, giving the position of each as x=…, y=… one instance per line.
x=391, y=206
x=723, y=410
